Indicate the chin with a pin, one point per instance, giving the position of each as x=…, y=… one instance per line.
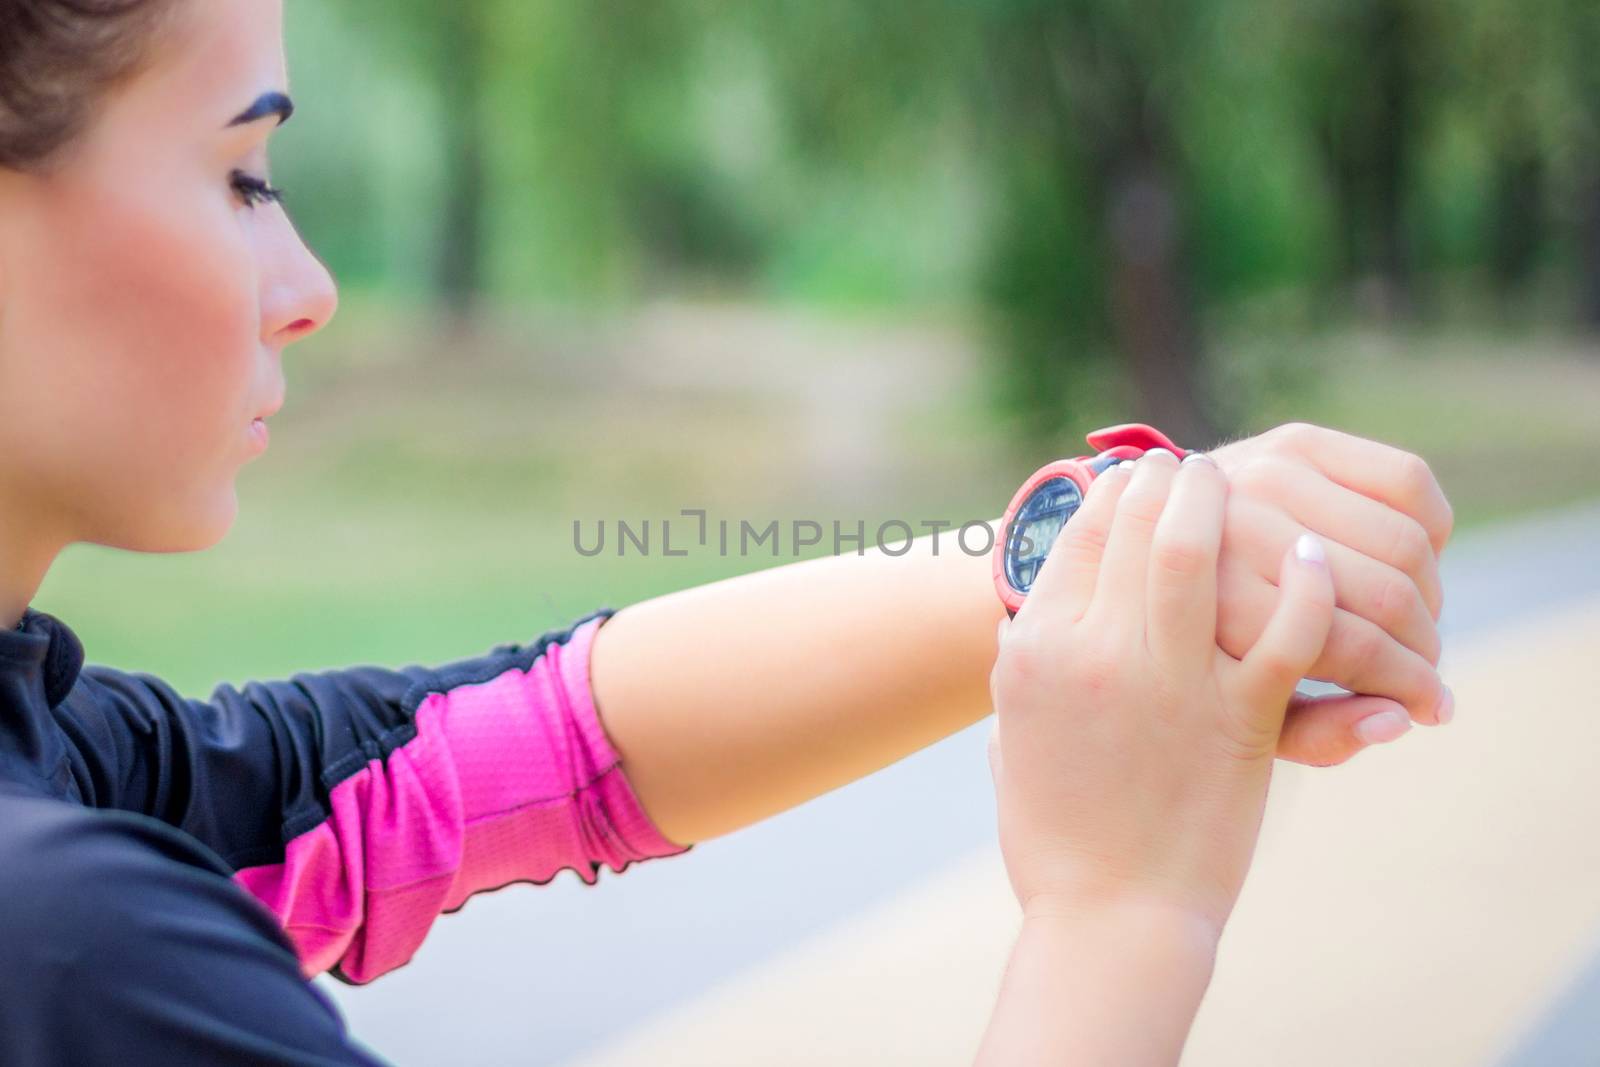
x=210, y=525
x=187, y=527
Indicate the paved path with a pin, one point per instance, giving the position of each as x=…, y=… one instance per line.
x=1430, y=905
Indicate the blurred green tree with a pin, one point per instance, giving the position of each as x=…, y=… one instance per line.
x=1104, y=177
x=1077, y=105
x=1366, y=70
x=1091, y=97
x=1580, y=23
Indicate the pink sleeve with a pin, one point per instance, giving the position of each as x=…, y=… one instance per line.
x=506, y=780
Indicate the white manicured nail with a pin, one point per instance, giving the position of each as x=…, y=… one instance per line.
x=1159, y=452
x=1309, y=549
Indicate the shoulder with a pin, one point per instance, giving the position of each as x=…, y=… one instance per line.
x=44, y=842
x=77, y=874
x=121, y=933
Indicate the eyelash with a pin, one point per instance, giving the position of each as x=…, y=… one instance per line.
x=255, y=191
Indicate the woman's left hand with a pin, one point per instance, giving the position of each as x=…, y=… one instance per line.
x=1383, y=518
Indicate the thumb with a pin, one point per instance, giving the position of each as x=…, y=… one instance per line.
x=1296, y=632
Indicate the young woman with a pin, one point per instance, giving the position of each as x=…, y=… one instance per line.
x=150, y=283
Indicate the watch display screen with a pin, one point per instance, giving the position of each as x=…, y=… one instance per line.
x=1033, y=532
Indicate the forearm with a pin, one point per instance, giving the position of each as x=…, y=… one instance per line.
x=736, y=700
x=1107, y=985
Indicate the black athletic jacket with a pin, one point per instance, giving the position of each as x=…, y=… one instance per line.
x=172, y=870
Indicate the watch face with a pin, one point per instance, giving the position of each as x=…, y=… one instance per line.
x=1033, y=531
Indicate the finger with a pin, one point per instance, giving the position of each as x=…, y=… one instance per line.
x=1362, y=658
x=1120, y=588
x=1359, y=656
x=1324, y=731
x=1182, y=579
x=1066, y=579
x=1395, y=477
x=1386, y=598
x=1362, y=585
x=1342, y=516
x=994, y=752
x=1296, y=632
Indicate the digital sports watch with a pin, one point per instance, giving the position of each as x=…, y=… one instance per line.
x=1052, y=496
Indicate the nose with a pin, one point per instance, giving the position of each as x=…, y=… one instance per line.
x=300, y=297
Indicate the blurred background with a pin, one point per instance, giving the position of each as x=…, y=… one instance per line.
x=853, y=260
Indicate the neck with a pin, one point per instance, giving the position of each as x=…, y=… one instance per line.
x=26, y=553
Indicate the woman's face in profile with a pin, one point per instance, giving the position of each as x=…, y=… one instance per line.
x=147, y=291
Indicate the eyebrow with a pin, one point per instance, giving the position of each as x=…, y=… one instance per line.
x=272, y=103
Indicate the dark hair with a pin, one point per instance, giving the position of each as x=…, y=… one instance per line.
x=57, y=59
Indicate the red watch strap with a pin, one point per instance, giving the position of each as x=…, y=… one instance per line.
x=1133, y=435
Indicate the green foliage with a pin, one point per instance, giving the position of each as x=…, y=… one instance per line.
x=966, y=152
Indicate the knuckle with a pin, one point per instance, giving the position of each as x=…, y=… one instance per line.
x=1086, y=538
x=1380, y=668
x=1294, y=434
x=1278, y=667
x=1267, y=476
x=1432, y=647
x=1021, y=664
x=1361, y=644
x=1410, y=548
x=1180, y=557
x=1139, y=515
x=1415, y=476
x=1253, y=477
x=1098, y=669
x=1447, y=520
x=1246, y=739
x=1395, y=603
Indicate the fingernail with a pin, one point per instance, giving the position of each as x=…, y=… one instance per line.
x=1199, y=457
x=1127, y=463
x=1447, y=707
x=1159, y=452
x=1309, y=550
x=1383, y=727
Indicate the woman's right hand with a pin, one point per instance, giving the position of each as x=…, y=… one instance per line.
x=1131, y=754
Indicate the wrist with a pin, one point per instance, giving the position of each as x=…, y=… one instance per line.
x=1183, y=932
x=1100, y=981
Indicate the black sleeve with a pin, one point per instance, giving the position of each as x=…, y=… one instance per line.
x=253, y=766
x=361, y=804
x=125, y=943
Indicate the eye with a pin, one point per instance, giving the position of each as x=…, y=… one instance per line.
x=253, y=190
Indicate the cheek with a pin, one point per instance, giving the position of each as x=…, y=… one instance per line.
x=157, y=319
